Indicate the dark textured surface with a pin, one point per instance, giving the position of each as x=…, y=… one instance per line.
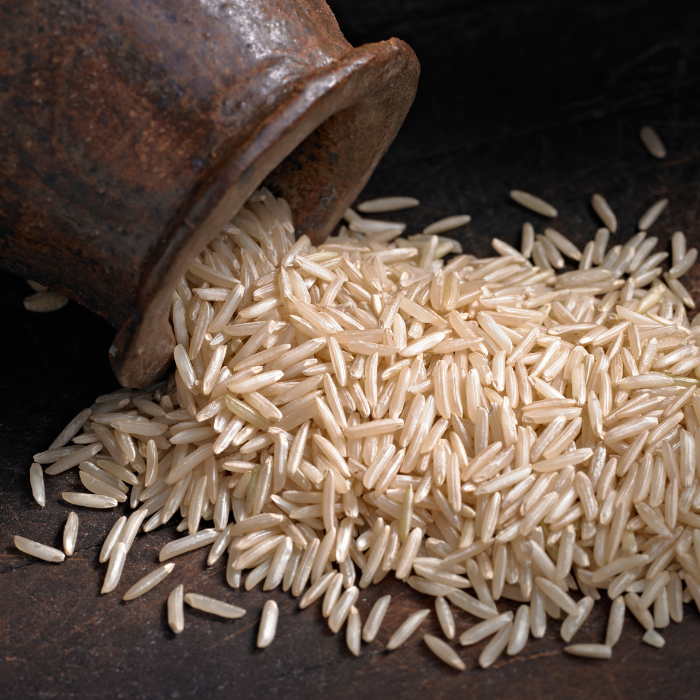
x=543, y=96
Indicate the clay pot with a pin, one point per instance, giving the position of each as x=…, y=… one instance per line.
x=133, y=130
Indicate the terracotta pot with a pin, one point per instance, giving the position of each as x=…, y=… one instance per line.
x=133, y=130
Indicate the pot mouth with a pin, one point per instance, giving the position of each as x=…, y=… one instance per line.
x=317, y=149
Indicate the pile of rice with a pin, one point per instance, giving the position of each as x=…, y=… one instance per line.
x=482, y=429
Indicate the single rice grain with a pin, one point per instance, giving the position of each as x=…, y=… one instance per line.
x=533, y=203
x=652, y=142
x=45, y=302
x=268, y=624
x=89, y=500
x=590, y=651
x=496, y=645
x=148, y=582
x=386, y=204
x=445, y=617
x=213, y=606
x=36, y=479
x=406, y=629
x=114, y=568
x=353, y=631
x=444, y=652
x=176, y=609
x=40, y=551
x=448, y=224
x=374, y=620
x=602, y=208
x=652, y=214
x=654, y=639
x=70, y=533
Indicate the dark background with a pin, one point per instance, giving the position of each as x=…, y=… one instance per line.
x=543, y=96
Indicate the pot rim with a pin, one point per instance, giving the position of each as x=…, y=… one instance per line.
x=142, y=349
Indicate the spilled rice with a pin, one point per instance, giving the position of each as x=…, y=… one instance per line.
x=482, y=429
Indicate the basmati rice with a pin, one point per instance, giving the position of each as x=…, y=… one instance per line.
x=115, y=567
x=384, y=204
x=361, y=405
x=40, y=551
x=45, y=302
x=213, y=606
x=445, y=617
x=589, y=651
x=36, y=286
x=375, y=618
x=36, y=479
x=652, y=142
x=148, y=582
x=533, y=203
x=406, y=629
x=89, y=500
x=448, y=224
x=176, y=610
x=520, y=631
x=654, y=639
x=652, y=214
x=268, y=624
x=495, y=647
x=353, y=631
x=70, y=533
x=602, y=208
x=485, y=629
x=444, y=652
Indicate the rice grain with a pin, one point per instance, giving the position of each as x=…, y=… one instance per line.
x=444, y=652
x=654, y=639
x=268, y=624
x=213, y=606
x=589, y=651
x=563, y=244
x=528, y=239
x=70, y=534
x=533, y=203
x=496, y=646
x=520, y=631
x=406, y=629
x=45, y=302
x=36, y=479
x=602, y=208
x=342, y=608
x=374, y=620
x=652, y=142
x=89, y=500
x=176, y=609
x=40, y=551
x=111, y=539
x=651, y=214
x=445, y=617
x=386, y=204
x=353, y=631
x=187, y=544
x=114, y=568
x=448, y=224
x=148, y=582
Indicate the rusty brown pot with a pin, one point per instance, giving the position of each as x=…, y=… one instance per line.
x=131, y=131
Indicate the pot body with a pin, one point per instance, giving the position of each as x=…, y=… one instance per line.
x=133, y=130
